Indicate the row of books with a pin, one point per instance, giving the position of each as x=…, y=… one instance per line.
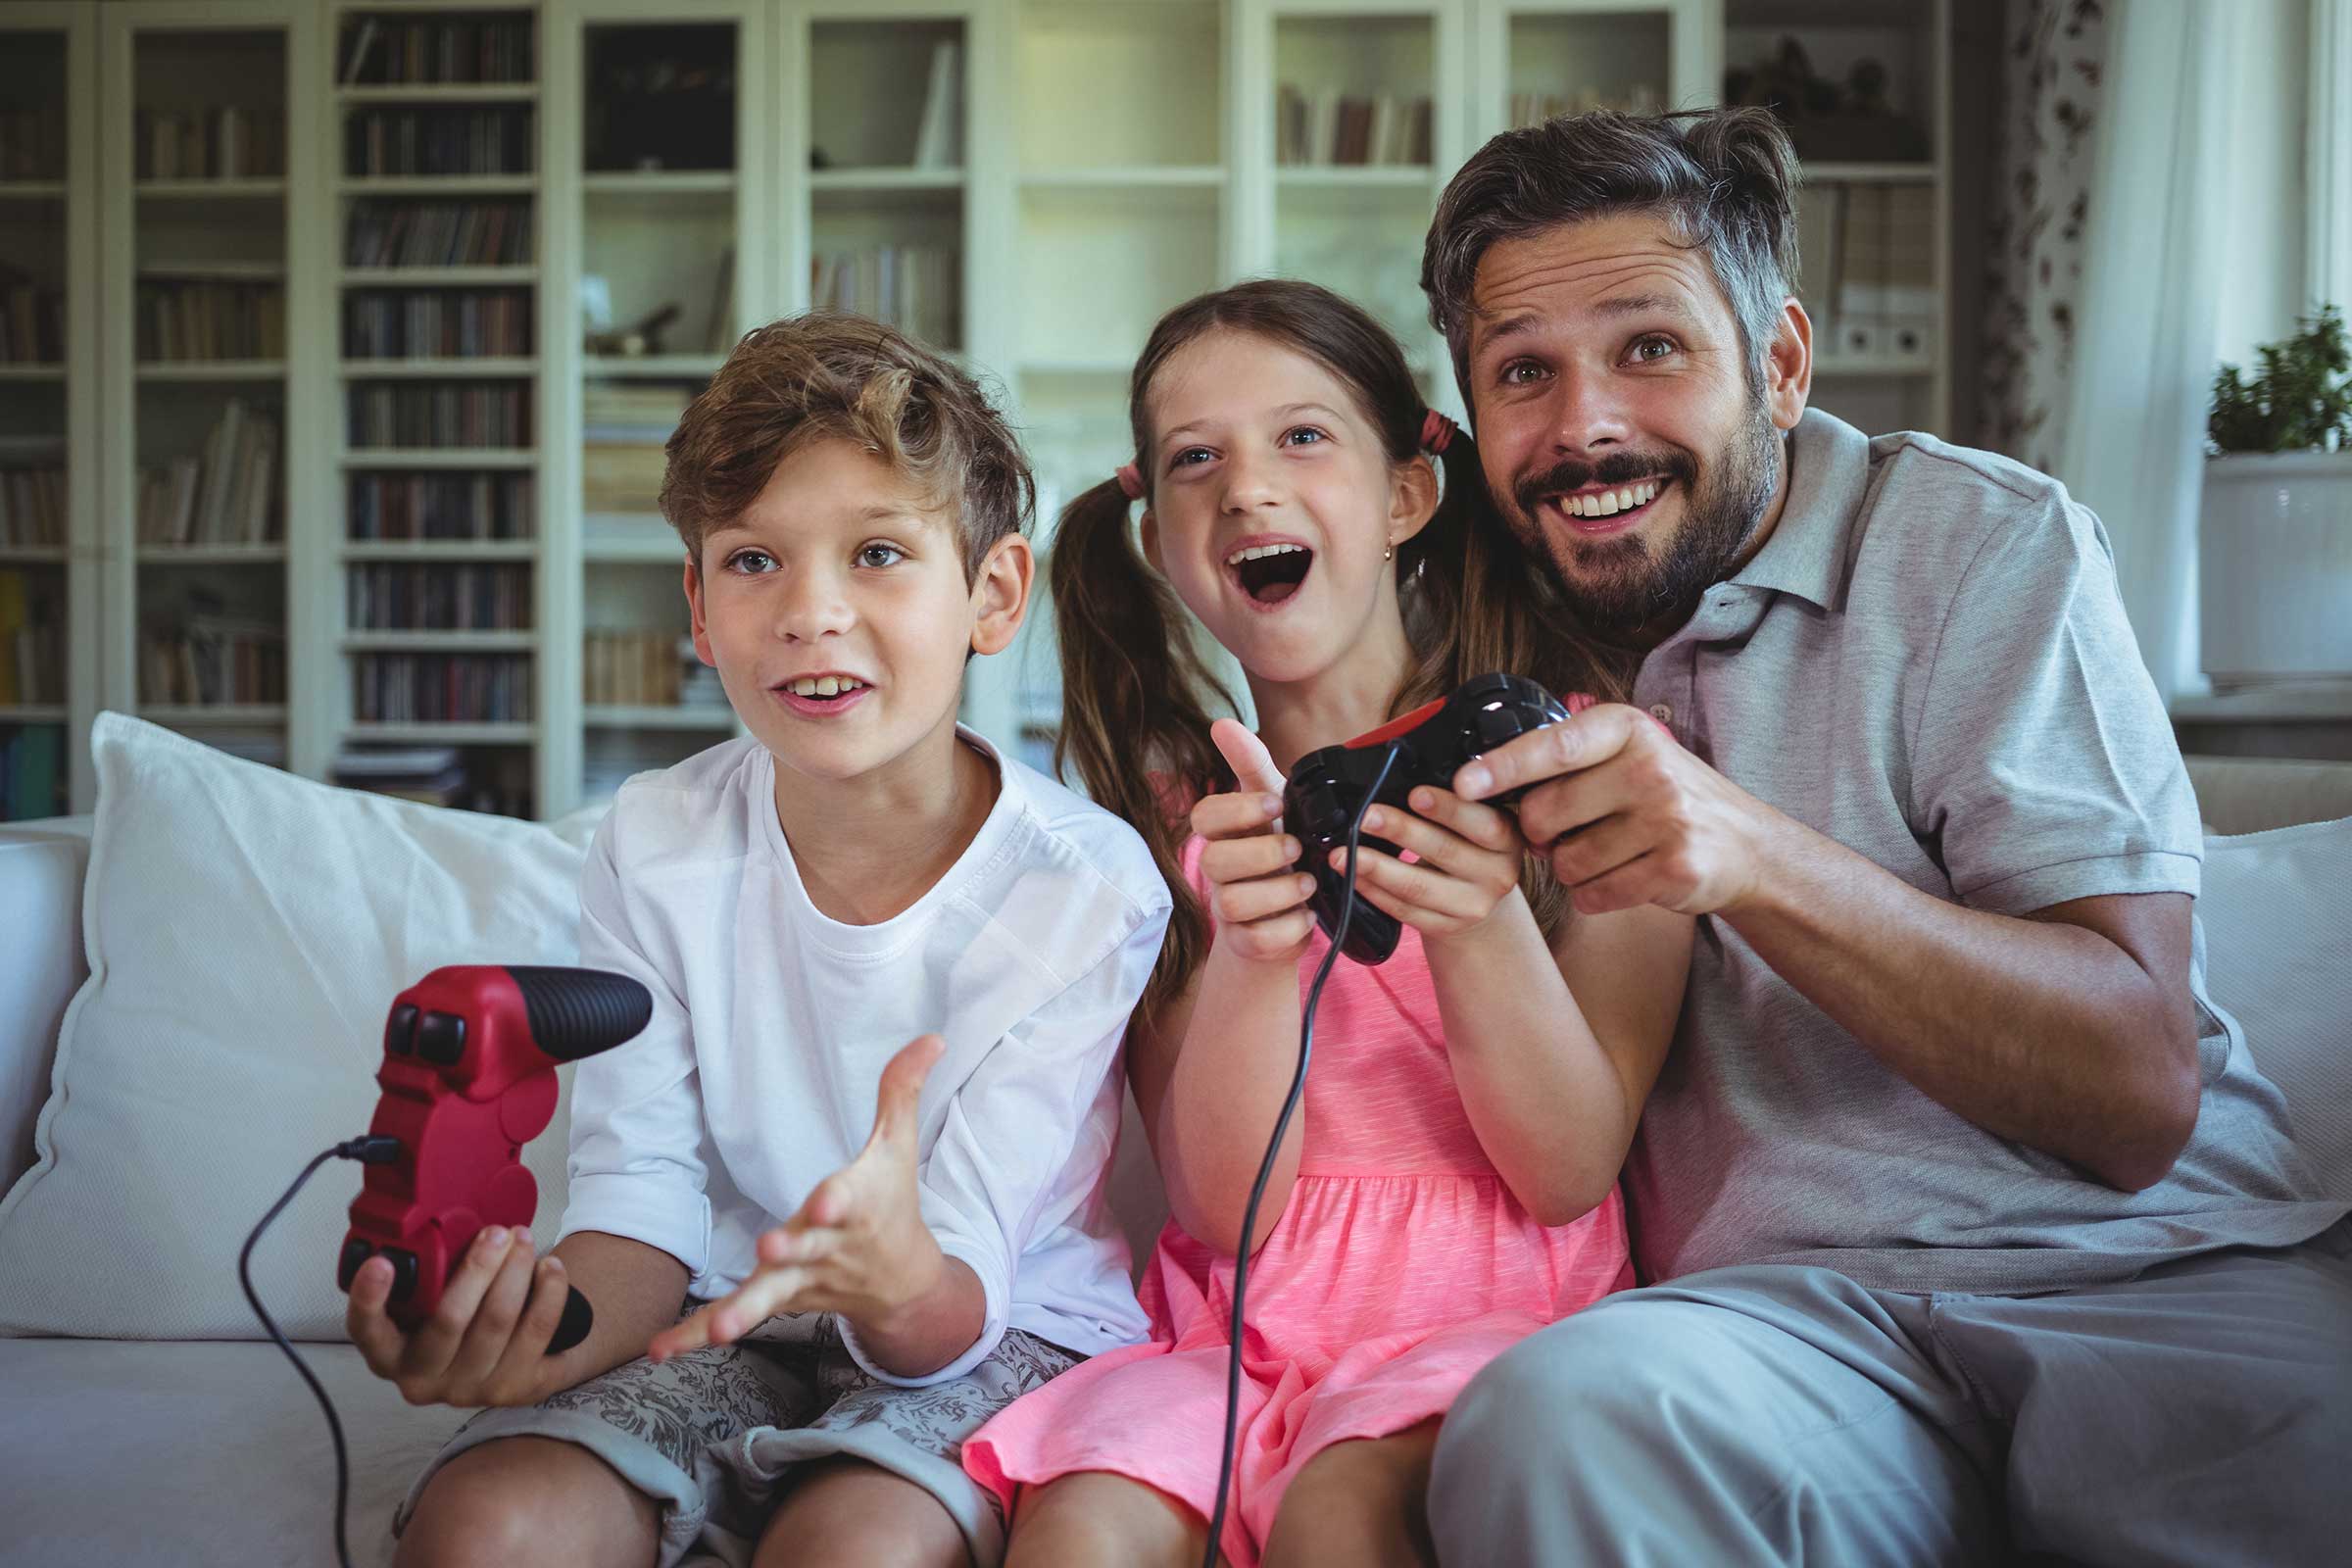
x=224, y=494
x=33, y=322
x=207, y=661
x=388, y=507
x=475, y=779
x=441, y=688
x=32, y=507
x=202, y=319
x=380, y=51
x=621, y=476
x=440, y=142
x=401, y=597
x=32, y=142
x=32, y=643
x=1329, y=127
x=391, y=234
x=916, y=288
x=439, y=324
x=476, y=414
x=228, y=142
x=1867, y=258
x=32, y=771
x=646, y=669
x=1534, y=108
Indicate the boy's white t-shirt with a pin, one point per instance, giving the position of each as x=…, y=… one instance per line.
x=772, y=1022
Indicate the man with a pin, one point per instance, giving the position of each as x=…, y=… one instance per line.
x=1981, y=1235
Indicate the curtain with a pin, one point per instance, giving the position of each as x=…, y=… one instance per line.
x=2054, y=54
x=2132, y=444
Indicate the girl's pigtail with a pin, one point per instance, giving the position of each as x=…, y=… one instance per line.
x=1134, y=704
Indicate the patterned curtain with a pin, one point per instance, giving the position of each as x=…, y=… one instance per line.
x=2051, y=89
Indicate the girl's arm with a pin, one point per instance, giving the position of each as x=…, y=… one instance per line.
x=1553, y=1050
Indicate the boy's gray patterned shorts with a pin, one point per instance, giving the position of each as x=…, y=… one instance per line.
x=712, y=1435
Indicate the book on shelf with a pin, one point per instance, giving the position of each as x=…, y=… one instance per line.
x=632, y=410
x=225, y=493
x=229, y=141
x=492, y=413
x=914, y=288
x=409, y=506
x=199, y=658
x=33, y=319
x=440, y=140
x=32, y=142
x=621, y=476
x=32, y=643
x=440, y=324
x=381, y=51
x=32, y=507
x=32, y=771
x=1633, y=98
x=441, y=688
x=385, y=232
x=403, y=597
x=939, y=133
x=196, y=319
x=1329, y=127
x=1883, y=299
x=646, y=669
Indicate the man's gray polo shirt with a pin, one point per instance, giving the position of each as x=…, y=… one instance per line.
x=1929, y=662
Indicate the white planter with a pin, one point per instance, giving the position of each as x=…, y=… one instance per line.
x=2274, y=567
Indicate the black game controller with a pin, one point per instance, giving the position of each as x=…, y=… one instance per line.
x=1327, y=787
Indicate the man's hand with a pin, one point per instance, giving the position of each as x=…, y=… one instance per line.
x=1255, y=890
x=1626, y=816
x=858, y=1247
x=1465, y=864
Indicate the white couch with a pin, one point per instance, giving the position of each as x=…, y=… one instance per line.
x=210, y=1452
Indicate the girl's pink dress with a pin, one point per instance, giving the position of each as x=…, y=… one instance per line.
x=1400, y=1266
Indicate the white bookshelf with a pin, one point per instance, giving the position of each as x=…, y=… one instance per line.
x=1096, y=162
x=219, y=241
x=49, y=414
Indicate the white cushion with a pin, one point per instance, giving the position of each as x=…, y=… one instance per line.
x=2274, y=908
x=246, y=932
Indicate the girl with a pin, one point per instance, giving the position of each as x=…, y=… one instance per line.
x=1449, y=1184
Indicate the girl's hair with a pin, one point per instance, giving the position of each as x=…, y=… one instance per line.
x=1136, y=693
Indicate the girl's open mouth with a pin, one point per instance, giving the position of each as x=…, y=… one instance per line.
x=1270, y=573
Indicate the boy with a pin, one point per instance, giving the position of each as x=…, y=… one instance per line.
x=799, y=901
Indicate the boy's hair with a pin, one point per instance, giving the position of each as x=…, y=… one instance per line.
x=1136, y=695
x=820, y=375
x=1724, y=179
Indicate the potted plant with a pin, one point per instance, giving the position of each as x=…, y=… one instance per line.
x=2275, y=531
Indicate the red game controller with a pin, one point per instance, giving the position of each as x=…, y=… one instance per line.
x=471, y=1053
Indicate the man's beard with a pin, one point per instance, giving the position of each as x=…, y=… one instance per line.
x=1617, y=587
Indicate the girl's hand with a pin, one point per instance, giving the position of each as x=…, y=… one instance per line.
x=1255, y=889
x=858, y=1247
x=1466, y=863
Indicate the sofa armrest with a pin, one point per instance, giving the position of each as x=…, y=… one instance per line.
x=41, y=965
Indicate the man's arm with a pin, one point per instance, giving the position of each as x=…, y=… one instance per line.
x=2070, y=1030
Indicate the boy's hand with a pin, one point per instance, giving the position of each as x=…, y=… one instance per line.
x=1255, y=890
x=858, y=1247
x=1466, y=860
x=485, y=1342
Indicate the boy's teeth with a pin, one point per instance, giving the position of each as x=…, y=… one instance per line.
x=1255, y=552
x=827, y=686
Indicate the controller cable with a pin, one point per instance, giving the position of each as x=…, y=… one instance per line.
x=373, y=1150
x=1265, y=1169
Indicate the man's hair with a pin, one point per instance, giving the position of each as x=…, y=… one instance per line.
x=822, y=376
x=1724, y=181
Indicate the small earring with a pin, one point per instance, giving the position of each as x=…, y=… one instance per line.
x=1387, y=552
